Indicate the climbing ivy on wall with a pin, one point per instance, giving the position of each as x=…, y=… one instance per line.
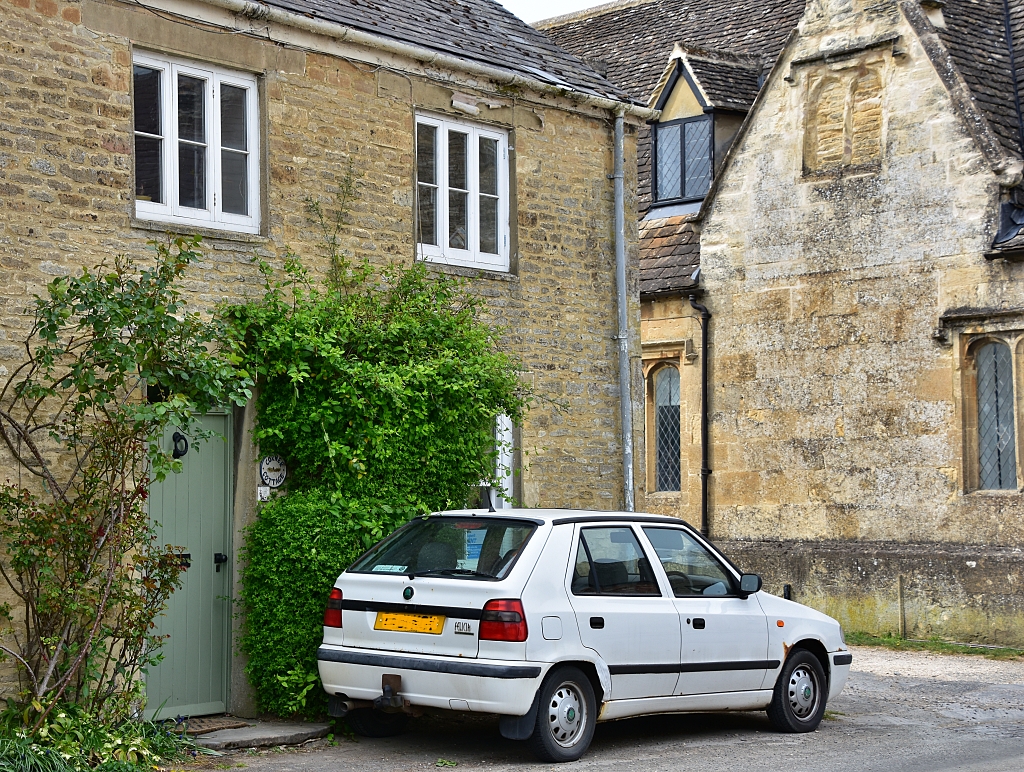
x=381, y=390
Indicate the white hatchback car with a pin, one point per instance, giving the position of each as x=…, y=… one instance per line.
x=558, y=619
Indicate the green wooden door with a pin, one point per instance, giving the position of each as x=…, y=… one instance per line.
x=192, y=510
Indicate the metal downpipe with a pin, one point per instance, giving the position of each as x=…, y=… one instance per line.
x=625, y=387
x=705, y=469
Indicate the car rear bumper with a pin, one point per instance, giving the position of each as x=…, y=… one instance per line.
x=486, y=686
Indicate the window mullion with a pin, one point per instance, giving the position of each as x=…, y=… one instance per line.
x=441, y=175
x=682, y=160
x=213, y=136
x=473, y=188
x=172, y=139
x=214, y=195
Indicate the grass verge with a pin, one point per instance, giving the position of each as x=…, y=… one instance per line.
x=936, y=645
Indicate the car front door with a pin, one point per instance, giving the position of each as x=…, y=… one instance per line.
x=622, y=612
x=724, y=636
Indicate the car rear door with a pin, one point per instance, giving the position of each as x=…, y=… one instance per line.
x=724, y=636
x=622, y=612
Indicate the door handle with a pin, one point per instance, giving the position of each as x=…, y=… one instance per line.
x=597, y=623
x=698, y=623
x=186, y=560
x=218, y=558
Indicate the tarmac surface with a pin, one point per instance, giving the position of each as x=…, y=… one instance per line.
x=900, y=712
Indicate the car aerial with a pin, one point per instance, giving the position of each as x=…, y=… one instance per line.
x=558, y=619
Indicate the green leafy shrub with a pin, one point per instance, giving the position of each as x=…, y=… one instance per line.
x=113, y=358
x=293, y=554
x=381, y=387
x=381, y=390
x=71, y=740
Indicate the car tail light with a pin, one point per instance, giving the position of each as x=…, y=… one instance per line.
x=332, y=616
x=503, y=620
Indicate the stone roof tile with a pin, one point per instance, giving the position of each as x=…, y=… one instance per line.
x=636, y=39
x=477, y=30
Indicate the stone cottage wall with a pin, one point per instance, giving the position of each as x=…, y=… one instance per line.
x=66, y=201
x=854, y=213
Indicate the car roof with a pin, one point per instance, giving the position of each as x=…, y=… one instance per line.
x=562, y=516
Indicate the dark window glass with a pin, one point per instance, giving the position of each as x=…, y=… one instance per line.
x=426, y=189
x=191, y=109
x=459, y=547
x=148, y=151
x=670, y=161
x=147, y=100
x=426, y=200
x=232, y=117
x=666, y=429
x=192, y=175
x=697, y=147
x=682, y=157
x=426, y=154
x=488, y=166
x=457, y=160
x=610, y=561
x=235, y=181
x=458, y=219
x=997, y=465
x=691, y=569
x=489, y=225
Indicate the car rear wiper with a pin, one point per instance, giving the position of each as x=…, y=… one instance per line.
x=450, y=572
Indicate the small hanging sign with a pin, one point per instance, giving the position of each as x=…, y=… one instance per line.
x=273, y=471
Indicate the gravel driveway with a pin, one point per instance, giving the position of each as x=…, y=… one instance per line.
x=900, y=712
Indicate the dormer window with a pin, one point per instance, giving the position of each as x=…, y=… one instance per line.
x=682, y=159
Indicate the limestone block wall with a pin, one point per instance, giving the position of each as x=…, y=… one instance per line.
x=67, y=201
x=854, y=213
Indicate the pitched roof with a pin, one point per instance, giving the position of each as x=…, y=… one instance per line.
x=669, y=254
x=477, y=30
x=728, y=80
x=976, y=38
x=636, y=39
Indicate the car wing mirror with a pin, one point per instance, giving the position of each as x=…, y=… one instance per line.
x=749, y=584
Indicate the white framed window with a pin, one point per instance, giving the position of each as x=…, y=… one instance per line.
x=196, y=144
x=461, y=193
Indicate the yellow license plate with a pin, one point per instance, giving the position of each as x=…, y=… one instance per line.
x=409, y=623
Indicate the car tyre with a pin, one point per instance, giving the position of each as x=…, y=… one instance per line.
x=566, y=716
x=376, y=723
x=798, y=701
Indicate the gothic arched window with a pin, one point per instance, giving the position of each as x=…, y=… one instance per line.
x=997, y=459
x=666, y=429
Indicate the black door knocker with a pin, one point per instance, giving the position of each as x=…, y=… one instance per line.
x=180, y=445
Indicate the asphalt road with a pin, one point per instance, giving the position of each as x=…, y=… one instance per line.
x=900, y=712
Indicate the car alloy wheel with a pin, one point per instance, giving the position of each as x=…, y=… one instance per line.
x=566, y=711
x=798, y=701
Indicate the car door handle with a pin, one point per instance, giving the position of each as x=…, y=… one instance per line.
x=698, y=623
x=597, y=623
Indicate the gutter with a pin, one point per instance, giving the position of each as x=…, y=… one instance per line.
x=256, y=11
x=625, y=390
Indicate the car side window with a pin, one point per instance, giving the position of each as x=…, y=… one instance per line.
x=691, y=569
x=610, y=561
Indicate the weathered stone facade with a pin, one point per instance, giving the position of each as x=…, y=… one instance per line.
x=854, y=214
x=67, y=201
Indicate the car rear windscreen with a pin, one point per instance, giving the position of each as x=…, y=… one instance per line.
x=457, y=547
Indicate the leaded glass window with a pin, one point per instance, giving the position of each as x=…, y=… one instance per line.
x=666, y=429
x=997, y=458
x=682, y=159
